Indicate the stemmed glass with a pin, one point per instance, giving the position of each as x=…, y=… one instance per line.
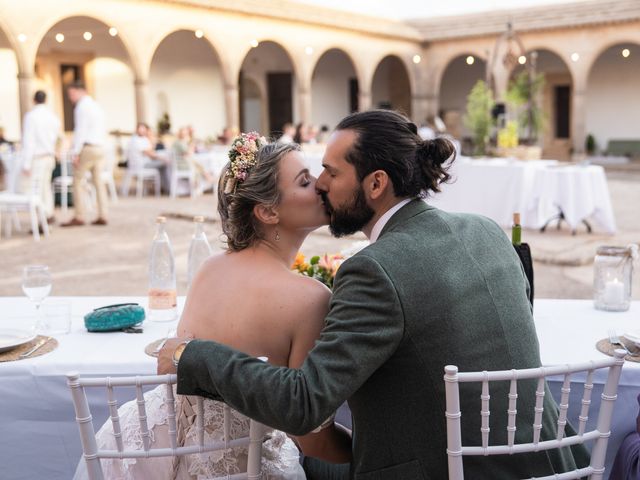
x=36, y=285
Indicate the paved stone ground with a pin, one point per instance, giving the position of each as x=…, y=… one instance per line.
x=112, y=260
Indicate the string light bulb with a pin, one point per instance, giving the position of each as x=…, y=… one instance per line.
x=253, y=43
x=470, y=60
x=59, y=37
x=113, y=31
x=626, y=52
x=199, y=33
x=522, y=59
x=575, y=56
x=87, y=36
x=417, y=59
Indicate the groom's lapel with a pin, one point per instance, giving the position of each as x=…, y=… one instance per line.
x=411, y=209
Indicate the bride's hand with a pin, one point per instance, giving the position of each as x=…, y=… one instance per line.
x=166, y=355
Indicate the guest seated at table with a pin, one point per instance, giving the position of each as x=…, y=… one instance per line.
x=183, y=149
x=268, y=205
x=626, y=465
x=288, y=132
x=141, y=154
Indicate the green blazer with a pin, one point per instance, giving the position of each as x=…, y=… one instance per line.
x=435, y=289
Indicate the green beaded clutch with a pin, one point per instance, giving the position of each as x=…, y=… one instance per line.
x=114, y=317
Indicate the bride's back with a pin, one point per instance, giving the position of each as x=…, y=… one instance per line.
x=249, y=301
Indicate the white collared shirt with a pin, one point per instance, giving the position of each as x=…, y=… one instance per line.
x=135, y=153
x=89, y=124
x=382, y=221
x=40, y=132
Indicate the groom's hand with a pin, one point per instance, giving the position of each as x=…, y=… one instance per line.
x=166, y=355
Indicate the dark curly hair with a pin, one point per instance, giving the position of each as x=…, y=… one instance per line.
x=389, y=141
x=240, y=227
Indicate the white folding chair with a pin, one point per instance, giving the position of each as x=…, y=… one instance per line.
x=600, y=435
x=92, y=454
x=30, y=201
x=63, y=184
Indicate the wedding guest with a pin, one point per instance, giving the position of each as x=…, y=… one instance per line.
x=300, y=136
x=288, y=131
x=89, y=136
x=432, y=289
x=3, y=141
x=183, y=150
x=323, y=135
x=40, y=135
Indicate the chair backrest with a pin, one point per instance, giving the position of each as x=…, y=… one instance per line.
x=92, y=454
x=455, y=449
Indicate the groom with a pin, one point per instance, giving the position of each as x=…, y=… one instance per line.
x=432, y=289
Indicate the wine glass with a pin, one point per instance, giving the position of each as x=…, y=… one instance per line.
x=36, y=285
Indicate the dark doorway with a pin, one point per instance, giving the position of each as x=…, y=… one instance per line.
x=280, y=102
x=563, y=110
x=353, y=95
x=68, y=75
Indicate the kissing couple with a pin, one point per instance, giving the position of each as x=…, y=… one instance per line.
x=432, y=288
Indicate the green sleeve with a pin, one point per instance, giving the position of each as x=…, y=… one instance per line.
x=363, y=329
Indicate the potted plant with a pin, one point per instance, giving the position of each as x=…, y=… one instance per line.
x=590, y=144
x=478, y=117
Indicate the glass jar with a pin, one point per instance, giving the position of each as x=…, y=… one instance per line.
x=612, y=273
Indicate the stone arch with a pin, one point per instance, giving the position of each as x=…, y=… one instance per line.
x=333, y=95
x=104, y=62
x=186, y=80
x=127, y=44
x=282, y=71
x=457, y=79
x=556, y=100
x=398, y=95
x=612, y=105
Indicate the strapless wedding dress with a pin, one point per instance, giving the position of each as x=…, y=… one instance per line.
x=280, y=456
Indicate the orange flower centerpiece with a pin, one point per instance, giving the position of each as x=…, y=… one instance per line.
x=322, y=268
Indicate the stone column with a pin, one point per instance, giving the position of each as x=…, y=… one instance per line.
x=25, y=92
x=232, y=106
x=421, y=106
x=304, y=97
x=142, y=97
x=364, y=100
x=578, y=121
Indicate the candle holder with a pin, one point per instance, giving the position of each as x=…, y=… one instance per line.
x=613, y=271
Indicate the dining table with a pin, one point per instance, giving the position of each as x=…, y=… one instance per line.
x=39, y=436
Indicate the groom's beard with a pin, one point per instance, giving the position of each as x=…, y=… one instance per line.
x=350, y=218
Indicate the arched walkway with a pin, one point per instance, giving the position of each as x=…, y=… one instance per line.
x=391, y=87
x=83, y=48
x=334, y=88
x=269, y=67
x=9, y=96
x=612, y=99
x=459, y=77
x=187, y=84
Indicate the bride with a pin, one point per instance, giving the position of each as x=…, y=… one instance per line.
x=247, y=298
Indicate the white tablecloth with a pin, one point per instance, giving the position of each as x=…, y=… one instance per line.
x=36, y=413
x=538, y=189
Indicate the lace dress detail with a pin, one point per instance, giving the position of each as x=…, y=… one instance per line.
x=280, y=457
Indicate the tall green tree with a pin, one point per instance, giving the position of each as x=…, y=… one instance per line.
x=478, y=117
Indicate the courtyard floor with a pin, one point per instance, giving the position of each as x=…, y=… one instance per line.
x=113, y=260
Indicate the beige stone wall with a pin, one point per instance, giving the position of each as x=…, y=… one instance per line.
x=305, y=34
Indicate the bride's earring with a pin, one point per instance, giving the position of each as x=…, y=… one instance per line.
x=277, y=235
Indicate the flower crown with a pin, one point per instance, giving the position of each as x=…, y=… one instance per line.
x=242, y=158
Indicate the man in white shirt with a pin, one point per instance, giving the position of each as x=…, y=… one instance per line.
x=88, y=152
x=40, y=134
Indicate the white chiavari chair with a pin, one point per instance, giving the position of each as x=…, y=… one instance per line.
x=600, y=435
x=136, y=171
x=181, y=169
x=31, y=201
x=92, y=454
